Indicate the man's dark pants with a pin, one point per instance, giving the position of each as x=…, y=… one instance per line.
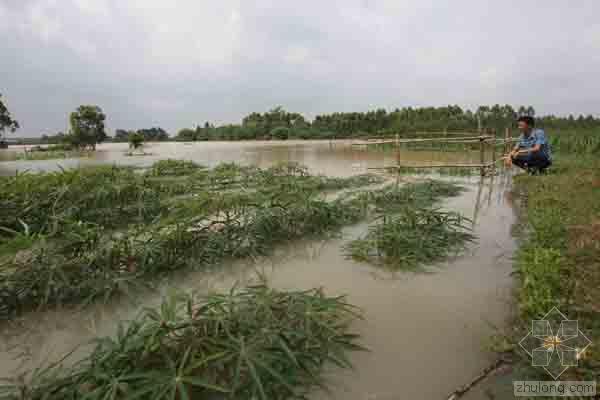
x=531, y=161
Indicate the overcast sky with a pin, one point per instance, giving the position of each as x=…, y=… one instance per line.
x=177, y=63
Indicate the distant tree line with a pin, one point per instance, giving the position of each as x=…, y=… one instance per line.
x=87, y=124
x=280, y=124
x=149, y=135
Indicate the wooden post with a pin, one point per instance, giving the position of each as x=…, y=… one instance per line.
x=493, y=141
x=482, y=153
x=506, y=142
x=477, y=202
x=398, y=150
x=445, y=144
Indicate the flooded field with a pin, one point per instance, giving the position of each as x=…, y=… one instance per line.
x=336, y=158
x=426, y=332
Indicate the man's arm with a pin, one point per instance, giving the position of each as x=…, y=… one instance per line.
x=534, y=149
x=515, y=149
x=512, y=153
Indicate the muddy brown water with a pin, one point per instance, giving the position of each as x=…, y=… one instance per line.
x=336, y=157
x=427, y=332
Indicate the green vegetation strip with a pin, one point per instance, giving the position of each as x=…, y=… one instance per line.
x=78, y=235
x=559, y=258
x=173, y=168
x=255, y=343
x=51, y=154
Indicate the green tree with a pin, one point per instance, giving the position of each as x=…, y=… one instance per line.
x=6, y=120
x=136, y=140
x=87, y=127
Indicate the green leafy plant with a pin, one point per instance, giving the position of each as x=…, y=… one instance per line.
x=251, y=343
x=93, y=233
x=412, y=238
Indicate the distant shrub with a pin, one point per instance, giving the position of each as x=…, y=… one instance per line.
x=171, y=167
x=136, y=140
x=281, y=133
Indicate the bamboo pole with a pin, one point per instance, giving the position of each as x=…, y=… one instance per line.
x=504, y=143
x=482, y=154
x=486, y=165
x=445, y=137
x=397, y=149
x=492, y=145
x=445, y=132
x=458, y=393
x=466, y=139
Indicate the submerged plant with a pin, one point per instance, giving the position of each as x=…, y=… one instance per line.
x=394, y=197
x=109, y=196
x=171, y=167
x=413, y=237
x=254, y=343
x=82, y=257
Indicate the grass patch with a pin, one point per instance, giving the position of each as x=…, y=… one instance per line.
x=51, y=153
x=575, y=142
x=558, y=260
x=255, y=343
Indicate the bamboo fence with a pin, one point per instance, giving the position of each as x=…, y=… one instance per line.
x=486, y=139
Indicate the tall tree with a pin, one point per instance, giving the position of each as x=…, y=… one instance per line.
x=87, y=127
x=6, y=120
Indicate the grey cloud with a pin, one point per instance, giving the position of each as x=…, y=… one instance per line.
x=178, y=63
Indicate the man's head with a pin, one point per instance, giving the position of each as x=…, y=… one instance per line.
x=526, y=123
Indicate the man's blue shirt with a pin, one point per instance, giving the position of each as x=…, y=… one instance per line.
x=536, y=136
